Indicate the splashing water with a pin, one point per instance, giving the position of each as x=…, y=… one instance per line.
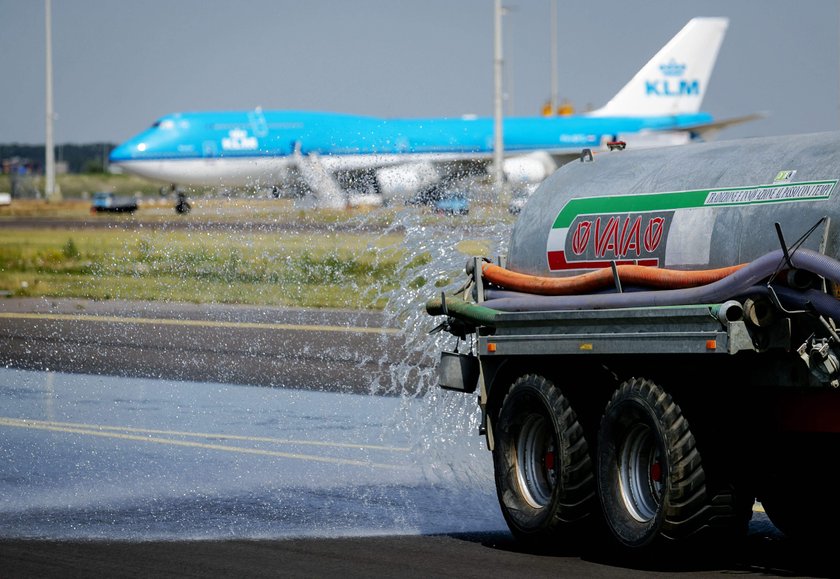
x=445, y=425
x=450, y=482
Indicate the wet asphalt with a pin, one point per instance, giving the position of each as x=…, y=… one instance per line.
x=143, y=439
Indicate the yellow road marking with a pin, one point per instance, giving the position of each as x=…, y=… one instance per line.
x=82, y=426
x=235, y=449
x=196, y=323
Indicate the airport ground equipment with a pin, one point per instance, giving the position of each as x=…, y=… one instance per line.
x=659, y=348
x=106, y=202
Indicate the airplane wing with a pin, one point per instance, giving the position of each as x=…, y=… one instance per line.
x=708, y=131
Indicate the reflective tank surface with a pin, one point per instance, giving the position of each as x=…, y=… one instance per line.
x=697, y=206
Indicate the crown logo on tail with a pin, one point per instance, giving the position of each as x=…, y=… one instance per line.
x=672, y=68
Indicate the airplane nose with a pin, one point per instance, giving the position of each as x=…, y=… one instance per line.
x=121, y=153
x=118, y=154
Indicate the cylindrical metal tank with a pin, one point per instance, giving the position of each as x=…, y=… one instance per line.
x=686, y=207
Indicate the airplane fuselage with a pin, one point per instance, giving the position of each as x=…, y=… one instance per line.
x=659, y=106
x=246, y=147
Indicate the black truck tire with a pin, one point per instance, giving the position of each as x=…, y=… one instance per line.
x=650, y=477
x=544, y=477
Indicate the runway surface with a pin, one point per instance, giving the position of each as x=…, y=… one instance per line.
x=139, y=459
x=141, y=439
x=290, y=348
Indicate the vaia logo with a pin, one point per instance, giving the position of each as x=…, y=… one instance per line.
x=671, y=84
x=615, y=237
x=238, y=140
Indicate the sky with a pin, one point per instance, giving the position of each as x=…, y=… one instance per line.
x=120, y=64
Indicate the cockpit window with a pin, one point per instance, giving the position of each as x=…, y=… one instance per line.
x=164, y=124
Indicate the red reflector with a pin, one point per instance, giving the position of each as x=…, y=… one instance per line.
x=711, y=344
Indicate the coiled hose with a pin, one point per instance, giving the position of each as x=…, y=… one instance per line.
x=719, y=291
x=742, y=282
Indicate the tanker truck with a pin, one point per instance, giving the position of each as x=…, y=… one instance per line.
x=658, y=352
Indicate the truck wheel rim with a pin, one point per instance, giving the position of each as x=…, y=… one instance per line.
x=640, y=474
x=535, y=458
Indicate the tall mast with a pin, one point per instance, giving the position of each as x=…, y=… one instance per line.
x=498, y=144
x=49, y=147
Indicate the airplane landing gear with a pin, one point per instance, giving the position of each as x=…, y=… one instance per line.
x=182, y=206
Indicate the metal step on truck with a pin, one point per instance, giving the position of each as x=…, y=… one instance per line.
x=659, y=348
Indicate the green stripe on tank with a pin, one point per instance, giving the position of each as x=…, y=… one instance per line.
x=639, y=203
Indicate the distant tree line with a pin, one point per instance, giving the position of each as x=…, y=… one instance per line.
x=92, y=158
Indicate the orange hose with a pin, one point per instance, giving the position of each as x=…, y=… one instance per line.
x=589, y=282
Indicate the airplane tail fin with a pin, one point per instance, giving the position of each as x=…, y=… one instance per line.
x=674, y=81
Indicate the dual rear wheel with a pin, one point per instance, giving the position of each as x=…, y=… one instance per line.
x=644, y=468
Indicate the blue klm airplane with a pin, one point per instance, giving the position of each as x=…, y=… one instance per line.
x=659, y=106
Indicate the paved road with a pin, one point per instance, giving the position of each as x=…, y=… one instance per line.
x=151, y=475
x=291, y=348
x=458, y=555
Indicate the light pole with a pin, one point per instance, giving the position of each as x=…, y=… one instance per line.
x=554, y=89
x=49, y=148
x=498, y=132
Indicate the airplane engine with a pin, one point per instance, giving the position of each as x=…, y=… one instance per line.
x=530, y=168
x=404, y=181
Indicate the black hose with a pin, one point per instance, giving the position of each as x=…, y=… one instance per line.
x=800, y=300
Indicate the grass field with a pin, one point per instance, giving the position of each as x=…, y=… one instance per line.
x=321, y=269
x=254, y=249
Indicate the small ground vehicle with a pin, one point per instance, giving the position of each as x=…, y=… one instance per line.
x=442, y=199
x=109, y=203
x=660, y=346
x=519, y=197
x=452, y=204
